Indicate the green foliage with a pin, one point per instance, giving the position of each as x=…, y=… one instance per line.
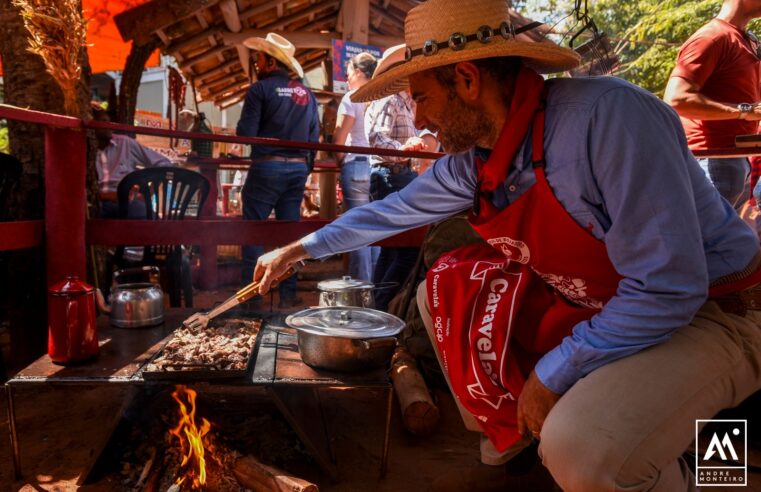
x=645, y=34
x=5, y=145
x=648, y=34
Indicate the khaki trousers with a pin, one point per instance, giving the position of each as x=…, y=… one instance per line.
x=625, y=425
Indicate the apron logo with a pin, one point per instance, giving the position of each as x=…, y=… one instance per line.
x=481, y=267
x=440, y=267
x=513, y=249
x=573, y=289
x=476, y=391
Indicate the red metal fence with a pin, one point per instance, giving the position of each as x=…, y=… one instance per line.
x=66, y=232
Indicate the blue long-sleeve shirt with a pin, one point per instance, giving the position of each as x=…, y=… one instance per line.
x=278, y=107
x=618, y=162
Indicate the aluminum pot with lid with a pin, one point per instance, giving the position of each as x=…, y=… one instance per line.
x=345, y=339
x=346, y=291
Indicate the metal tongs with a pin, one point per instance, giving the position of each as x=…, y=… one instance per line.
x=201, y=320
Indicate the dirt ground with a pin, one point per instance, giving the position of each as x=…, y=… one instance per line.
x=62, y=429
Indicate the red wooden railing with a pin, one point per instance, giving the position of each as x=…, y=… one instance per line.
x=67, y=232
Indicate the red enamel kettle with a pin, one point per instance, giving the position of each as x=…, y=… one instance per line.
x=72, y=332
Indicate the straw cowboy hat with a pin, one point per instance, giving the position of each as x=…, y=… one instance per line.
x=442, y=32
x=278, y=47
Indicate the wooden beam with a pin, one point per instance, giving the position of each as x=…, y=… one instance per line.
x=356, y=25
x=224, y=85
x=139, y=23
x=229, y=10
x=258, y=9
x=329, y=18
x=232, y=102
x=163, y=37
x=300, y=14
x=232, y=97
x=201, y=19
x=203, y=76
x=188, y=41
x=312, y=64
x=203, y=56
x=221, y=83
x=388, y=14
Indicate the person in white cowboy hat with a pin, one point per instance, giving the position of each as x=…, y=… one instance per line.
x=617, y=302
x=276, y=106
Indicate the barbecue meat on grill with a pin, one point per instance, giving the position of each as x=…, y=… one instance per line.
x=225, y=346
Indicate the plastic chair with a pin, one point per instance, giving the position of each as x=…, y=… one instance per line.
x=166, y=194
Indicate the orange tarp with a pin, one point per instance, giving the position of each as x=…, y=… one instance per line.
x=107, y=50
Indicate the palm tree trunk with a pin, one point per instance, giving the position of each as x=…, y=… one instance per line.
x=28, y=85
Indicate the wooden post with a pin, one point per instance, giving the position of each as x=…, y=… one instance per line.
x=356, y=22
x=328, y=200
x=208, y=271
x=65, y=201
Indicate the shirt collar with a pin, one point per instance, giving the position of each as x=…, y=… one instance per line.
x=279, y=72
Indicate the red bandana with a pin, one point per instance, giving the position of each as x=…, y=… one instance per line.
x=527, y=95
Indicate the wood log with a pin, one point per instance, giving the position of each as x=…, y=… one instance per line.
x=253, y=474
x=419, y=413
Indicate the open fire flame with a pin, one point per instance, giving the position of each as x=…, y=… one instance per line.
x=193, y=466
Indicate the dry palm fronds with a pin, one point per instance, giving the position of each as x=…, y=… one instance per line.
x=58, y=33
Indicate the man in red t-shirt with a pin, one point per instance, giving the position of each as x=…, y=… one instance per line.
x=714, y=87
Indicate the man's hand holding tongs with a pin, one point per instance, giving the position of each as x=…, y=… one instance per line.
x=273, y=265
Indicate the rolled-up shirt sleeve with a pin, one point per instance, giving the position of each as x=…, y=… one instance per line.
x=444, y=189
x=639, y=160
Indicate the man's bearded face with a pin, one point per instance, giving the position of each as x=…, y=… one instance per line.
x=461, y=126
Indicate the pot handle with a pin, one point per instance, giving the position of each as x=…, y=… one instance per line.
x=100, y=301
x=371, y=343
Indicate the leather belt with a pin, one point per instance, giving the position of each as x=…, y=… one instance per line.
x=741, y=302
x=277, y=158
x=745, y=300
x=395, y=168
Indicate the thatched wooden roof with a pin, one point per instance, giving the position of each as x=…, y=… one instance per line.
x=205, y=36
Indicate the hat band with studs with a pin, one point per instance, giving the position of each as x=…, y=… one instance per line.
x=458, y=40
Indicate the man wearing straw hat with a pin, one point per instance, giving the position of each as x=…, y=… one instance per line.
x=617, y=300
x=276, y=106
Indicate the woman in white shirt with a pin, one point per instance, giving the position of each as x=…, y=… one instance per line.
x=355, y=169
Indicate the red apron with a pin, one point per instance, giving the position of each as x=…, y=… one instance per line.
x=497, y=310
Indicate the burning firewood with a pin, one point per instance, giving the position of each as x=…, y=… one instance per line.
x=147, y=468
x=257, y=476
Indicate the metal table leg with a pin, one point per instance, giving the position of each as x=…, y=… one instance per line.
x=13, y=432
x=301, y=408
